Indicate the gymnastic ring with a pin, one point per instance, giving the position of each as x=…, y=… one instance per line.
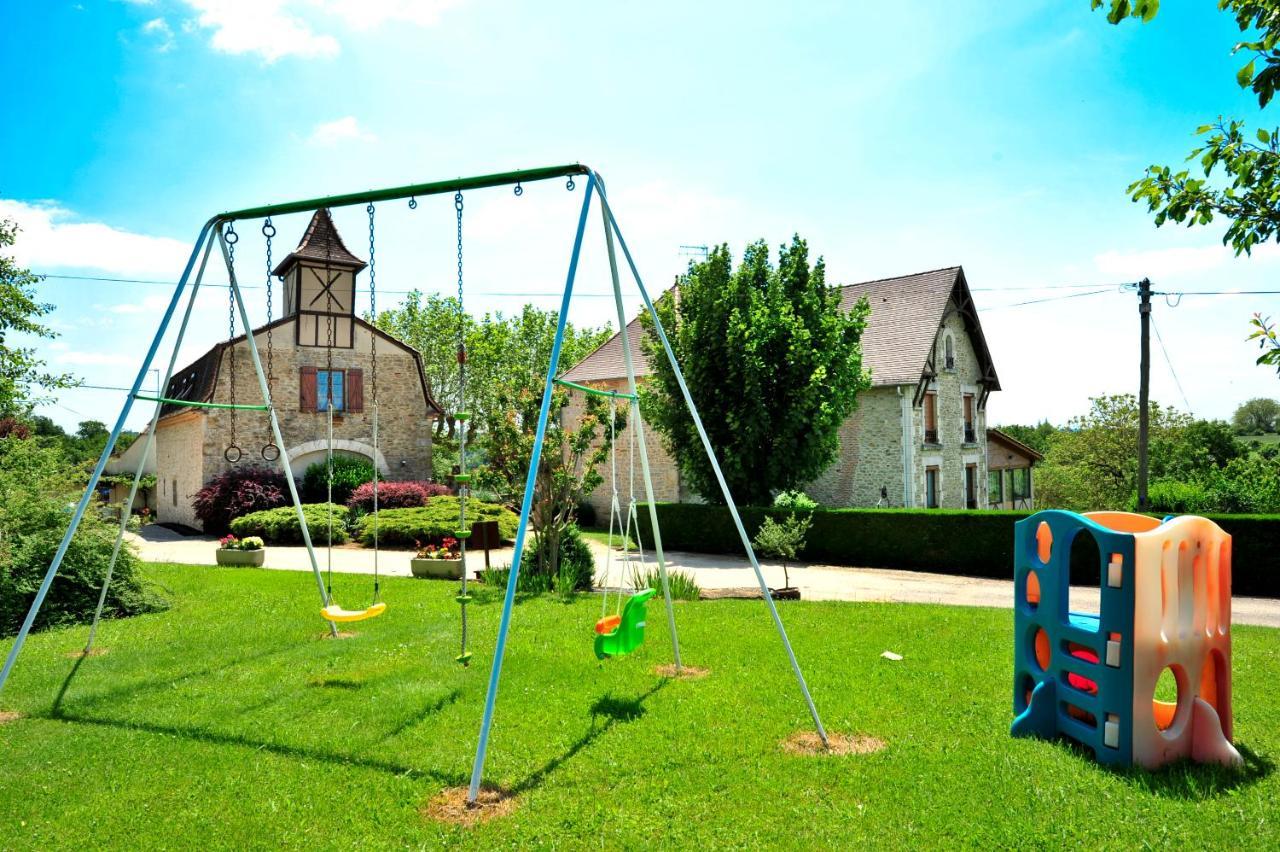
x=232, y=454
x=270, y=452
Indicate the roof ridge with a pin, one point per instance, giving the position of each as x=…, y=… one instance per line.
x=900, y=277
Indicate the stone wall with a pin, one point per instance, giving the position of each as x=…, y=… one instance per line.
x=194, y=454
x=870, y=454
x=179, y=467
x=951, y=454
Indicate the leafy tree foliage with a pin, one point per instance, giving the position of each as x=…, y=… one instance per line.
x=1249, y=164
x=1036, y=437
x=21, y=371
x=505, y=354
x=1257, y=416
x=567, y=474
x=773, y=364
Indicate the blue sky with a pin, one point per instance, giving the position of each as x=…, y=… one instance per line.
x=999, y=137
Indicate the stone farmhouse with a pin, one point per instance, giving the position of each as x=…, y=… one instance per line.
x=919, y=435
x=318, y=351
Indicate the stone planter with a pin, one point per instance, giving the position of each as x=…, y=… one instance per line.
x=253, y=558
x=441, y=569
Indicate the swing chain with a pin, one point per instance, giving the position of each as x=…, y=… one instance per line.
x=373, y=308
x=270, y=452
x=464, y=423
x=232, y=238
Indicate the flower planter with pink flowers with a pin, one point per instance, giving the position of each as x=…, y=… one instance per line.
x=438, y=561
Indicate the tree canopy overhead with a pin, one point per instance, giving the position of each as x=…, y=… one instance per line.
x=22, y=374
x=773, y=363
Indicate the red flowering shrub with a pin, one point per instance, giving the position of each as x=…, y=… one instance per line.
x=13, y=428
x=396, y=495
x=238, y=492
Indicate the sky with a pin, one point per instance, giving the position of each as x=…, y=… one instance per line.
x=996, y=137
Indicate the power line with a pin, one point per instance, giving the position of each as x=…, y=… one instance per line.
x=1169, y=361
x=1051, y=299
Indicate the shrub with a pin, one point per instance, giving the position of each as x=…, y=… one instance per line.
x=349, y=472
x=682, y=583
x=794, y=500
x=280, y=525
x=396, y=495
x=432, y=522
x=585, y=514
x=1176, y=498
x=238, y=492
x=949, y=541
x=576, y=570
x=36, y=486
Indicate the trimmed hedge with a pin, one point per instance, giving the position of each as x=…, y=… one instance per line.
x=948, y=541
x=432, y=522
x=280, y=526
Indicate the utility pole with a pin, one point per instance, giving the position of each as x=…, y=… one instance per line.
x=1144, y=388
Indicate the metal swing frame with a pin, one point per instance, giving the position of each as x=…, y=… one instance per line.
x=214, y=230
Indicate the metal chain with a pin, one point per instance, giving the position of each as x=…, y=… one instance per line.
x=270, y=452
x=373, y=387
x=464, y=420
x=232, y=238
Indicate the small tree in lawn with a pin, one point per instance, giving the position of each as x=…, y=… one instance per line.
x=783, y=540
x=772, y=362
x=567, y=473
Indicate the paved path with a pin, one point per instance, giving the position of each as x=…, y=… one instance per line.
x=816, y=582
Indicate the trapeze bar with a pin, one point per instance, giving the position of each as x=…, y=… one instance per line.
x=410, y=191
x=165, y=399
x=595, y=391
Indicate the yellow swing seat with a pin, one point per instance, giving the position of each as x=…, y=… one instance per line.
x=333, y=612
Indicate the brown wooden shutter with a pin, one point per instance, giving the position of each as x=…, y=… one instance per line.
x=355, y=389
x=307, y=388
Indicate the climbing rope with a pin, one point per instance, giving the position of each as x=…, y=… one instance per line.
x=463, y=478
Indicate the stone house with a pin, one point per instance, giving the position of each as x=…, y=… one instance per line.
x=1009, y=464
x=918, y=437
x=319, y=352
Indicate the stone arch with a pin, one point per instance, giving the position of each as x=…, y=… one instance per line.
x=340, y=445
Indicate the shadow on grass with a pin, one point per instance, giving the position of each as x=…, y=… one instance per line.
x=1183, y=779
x=207, y=737
x=614, y=710
x=130, y=689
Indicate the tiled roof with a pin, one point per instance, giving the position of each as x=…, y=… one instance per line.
x=322, y=243
x=905, y=313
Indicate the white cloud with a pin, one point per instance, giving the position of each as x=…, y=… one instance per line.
x=267, y=28
x=159, y=30
x=154, y=305
x=274, y=29
x=342, y=129
x=50, y=239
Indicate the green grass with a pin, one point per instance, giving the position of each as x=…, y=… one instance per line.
x=225, y=722
x=602, y=537
x=1271, y=438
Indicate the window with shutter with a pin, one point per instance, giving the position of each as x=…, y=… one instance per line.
x=307, y=389
x=355, y=389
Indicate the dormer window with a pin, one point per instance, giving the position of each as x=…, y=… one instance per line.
x=950, y=352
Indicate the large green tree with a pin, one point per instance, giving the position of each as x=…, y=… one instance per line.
x=1241, y=171
x=22, y=374
x=1257, y=416
x=773, y=363
x=506, y=359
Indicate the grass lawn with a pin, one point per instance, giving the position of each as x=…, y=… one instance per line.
x=226, y=722
x=602, y=537
x=1272, y=438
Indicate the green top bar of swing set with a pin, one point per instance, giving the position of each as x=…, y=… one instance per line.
x=194, y=404
x=595, y=391
x=409, y=191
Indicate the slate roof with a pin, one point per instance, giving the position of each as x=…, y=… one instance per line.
x=322, y=242
x=905, y=314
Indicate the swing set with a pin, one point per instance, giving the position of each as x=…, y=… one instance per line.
x=616, y=633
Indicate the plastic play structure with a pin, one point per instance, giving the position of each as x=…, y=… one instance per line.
x=1165, y=603
x=615, y=640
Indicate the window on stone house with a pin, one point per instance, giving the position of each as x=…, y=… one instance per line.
x=971, y=486
x=329, y=386
x=1020, y=483
x=970, y=431
x=931, y=418
x=995, y=487
x=950, y=351
x=346, y=387
x=931, y=487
